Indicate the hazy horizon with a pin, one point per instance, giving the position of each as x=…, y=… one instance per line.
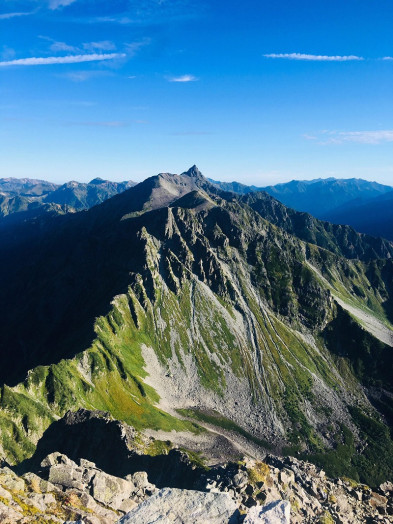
x=111, y=179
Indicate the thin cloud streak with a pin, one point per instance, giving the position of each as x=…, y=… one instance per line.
x=367, y=137
x=114, y=123
x=192, y=133
x=357, y=137
x=314, y=58
x=56, y=4
x=50, y=60
x=183, y=78
x=83, y=76
x=7, y=16
x=103, y=45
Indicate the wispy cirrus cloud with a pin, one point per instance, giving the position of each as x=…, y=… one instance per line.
x=62, y=47
x=382, y=136
x=56, y=4
x=84, y=75
x=106, y=123
x=69, y=59
x=110, y=123
x=314, y=58
x=146, y=11
x=7, y=16
x=183, y=78
x=133, y=47
x=102, y=45
x=192, y=133
x=129, y=49
x=91, y=47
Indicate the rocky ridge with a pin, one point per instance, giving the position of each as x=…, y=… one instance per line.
x=280, y=489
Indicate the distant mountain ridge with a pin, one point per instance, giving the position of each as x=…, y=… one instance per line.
x=25, y=198
x=340, y=201
x=366, y=206
x=317, y=197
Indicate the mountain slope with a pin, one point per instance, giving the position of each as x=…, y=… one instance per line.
x=374, y=217
x=175, y=295
x=342, y=240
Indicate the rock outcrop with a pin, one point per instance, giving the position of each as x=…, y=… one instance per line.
x=186, y=506
x=278, y=490
x=277, y=512
x=67, y=491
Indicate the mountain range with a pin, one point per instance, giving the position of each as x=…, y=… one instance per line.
x=176, y=305
x=364, y=205
x=24, y=199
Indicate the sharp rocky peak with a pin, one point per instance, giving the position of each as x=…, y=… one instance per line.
x=193, y=172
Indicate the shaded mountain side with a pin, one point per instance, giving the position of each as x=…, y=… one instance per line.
x=19, y=209
x=173, y=295
x=374, y=217
x=342, y=240
x=86, y=259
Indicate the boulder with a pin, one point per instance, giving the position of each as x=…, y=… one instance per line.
x=186, y=506
x=277, y=512
x=111, y=491
x=11, y=481
x=287, y=476
x=240, y=480
x=66, y=475
x=38, y=484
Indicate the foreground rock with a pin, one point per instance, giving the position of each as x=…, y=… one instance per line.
x=313, y=497
x=67, y=491
x=274, y=513
x=247, y=492
x=185, y=506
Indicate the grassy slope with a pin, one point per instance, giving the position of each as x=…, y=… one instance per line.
x=109, y=375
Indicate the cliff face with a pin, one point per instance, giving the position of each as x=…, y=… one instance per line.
x=177, y=296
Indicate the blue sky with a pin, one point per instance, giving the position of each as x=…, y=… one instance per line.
x=255, y=91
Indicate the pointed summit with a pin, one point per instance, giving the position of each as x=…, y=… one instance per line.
x=193, y=172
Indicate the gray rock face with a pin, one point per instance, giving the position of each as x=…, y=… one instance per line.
x=111, y=491
x=277, y=512
x=188, y=507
